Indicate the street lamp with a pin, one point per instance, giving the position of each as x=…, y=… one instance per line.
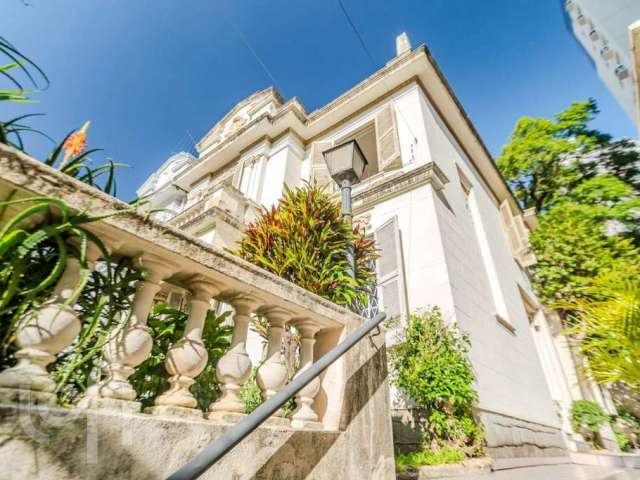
x=346, y=164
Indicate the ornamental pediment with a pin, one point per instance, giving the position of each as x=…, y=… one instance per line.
x=252, y=107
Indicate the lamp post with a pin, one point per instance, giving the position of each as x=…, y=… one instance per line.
x=346, y=164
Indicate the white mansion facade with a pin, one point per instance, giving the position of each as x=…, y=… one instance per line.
x=450, y=232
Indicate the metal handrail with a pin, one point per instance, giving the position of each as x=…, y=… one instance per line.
x=216, y=450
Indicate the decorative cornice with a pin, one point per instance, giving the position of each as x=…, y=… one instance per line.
x=268, y=94
x=366, y=83
x=199, y=210
x=388, y=187
x=211, y=212
x=418, y=64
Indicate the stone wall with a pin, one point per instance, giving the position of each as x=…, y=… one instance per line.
x=510, y=437
x=64, y=444
x=506, y=437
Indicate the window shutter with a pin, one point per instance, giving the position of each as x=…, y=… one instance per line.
x=391, y=286
x=527, y=259
x=510, y=227
x=518, y=235
x=388, y=143
x=521, y=230
x=319, y=171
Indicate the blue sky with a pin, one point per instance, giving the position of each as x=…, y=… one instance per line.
x=150, y=73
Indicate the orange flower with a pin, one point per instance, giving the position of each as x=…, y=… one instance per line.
x=76, y=144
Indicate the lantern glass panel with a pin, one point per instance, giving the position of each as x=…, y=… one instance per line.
x=345, y=161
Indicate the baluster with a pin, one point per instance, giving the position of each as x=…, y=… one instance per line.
x=44, y=332
x=234, y=367
x=188, y=357
x=304, y=416
x=130, y=344
x=272, y=374
x=41, y=334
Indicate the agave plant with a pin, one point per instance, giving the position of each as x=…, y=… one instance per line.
x=11, y=130
x=304, y=240
x=607, y=326
x=18, y=63
x=33, y=251
x=76, y=162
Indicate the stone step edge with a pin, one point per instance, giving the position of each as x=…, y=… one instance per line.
x=470, y=466
x=607, y=459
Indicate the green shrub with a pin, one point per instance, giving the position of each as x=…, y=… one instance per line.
x=304, y=240
x=588, y=415
x=587, y=418
x=621, y=440
x=251, y=396
x=34, y=248
x=431, y=366
x=627, y=430
x=414, y=460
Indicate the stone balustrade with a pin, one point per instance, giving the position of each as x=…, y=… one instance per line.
x=167, y=254
x=223, y=198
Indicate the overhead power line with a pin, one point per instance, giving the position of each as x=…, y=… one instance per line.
x=247, y=44
x=357, y=33
x=371, y=59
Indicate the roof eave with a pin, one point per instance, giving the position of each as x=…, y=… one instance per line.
x=417, y=64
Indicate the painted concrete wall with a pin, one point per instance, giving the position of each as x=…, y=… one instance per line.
x=510, y=376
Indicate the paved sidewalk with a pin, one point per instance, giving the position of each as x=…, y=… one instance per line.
x=558, y=472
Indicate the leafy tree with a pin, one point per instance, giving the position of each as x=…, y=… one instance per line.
x=431, y=366
x=571, y=246
x=546, y=158
x=620, y=158
x=304, y=240
x=613, y=202
x=585, y=188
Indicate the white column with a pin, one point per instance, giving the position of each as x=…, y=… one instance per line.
x=234, y=368
x=188, y=357
x=569, y=366
x=304, y=413
x=558, y=385
x=272, y=374
x=131, y=343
